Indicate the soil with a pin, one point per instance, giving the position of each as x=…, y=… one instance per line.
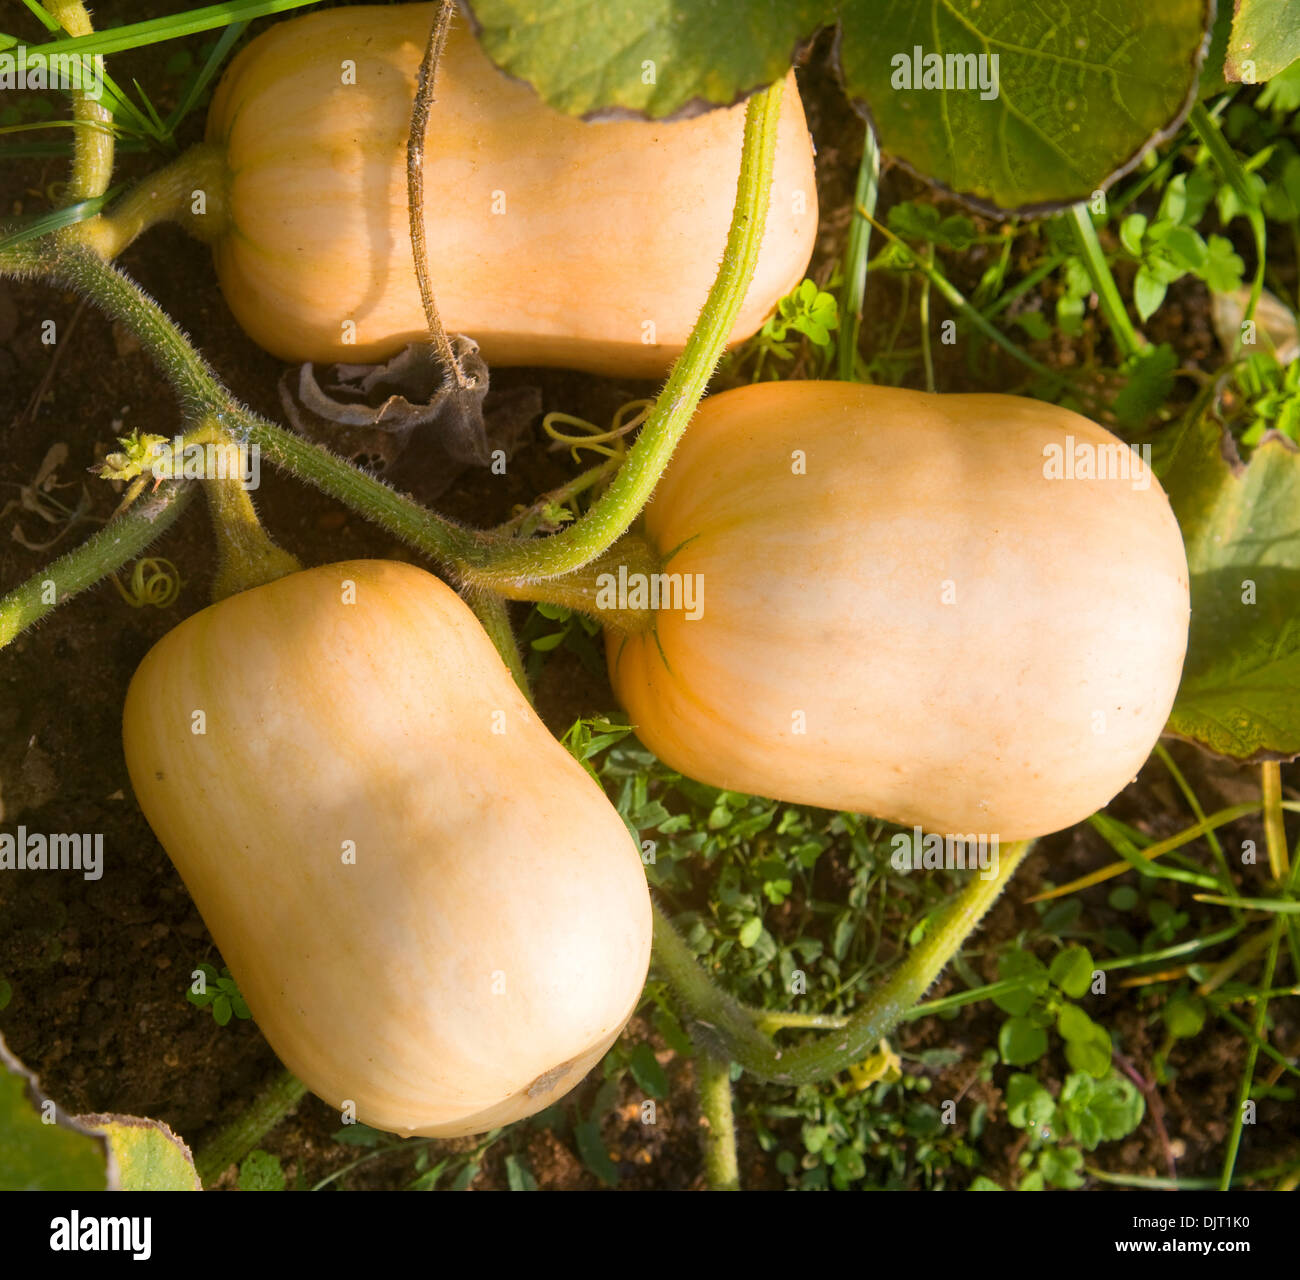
x=99, y=969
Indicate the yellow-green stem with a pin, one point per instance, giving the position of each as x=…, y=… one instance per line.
x=491, y=611
x=1279, y=860
x=721, y=1168
x=246, y=555
x=118, y=542
x=92, y=155
x=729, y=1029
x=232, y=1143
x=192, y=190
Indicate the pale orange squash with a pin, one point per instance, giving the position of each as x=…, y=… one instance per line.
x=903, y=614
x=433, y=912
x=551, y=240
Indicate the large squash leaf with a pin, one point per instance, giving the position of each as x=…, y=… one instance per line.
x=41, y=1147
x=1265, y=39
x=1240, y=694
x=1082, y=90
x=150, y=1157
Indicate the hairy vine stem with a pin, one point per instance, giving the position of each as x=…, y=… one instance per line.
x=732, y=1030
x=494, y=560
x=120, y=540
x=721, y=1168
x=92, y=162
x=453, y=374
x=233, y=1142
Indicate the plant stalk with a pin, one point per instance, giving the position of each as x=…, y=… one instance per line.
x=1112, y=305
x=1279, y=860
x=453, y=374
x=92, y=153
x=613, y=513
x=721, y=1168
x=856, y=255
x=116, y=544
x=232, y=1143
x=729, y=1029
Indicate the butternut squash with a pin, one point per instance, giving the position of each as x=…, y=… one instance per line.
x=432, y=911
x=904, y=613
x=551, y=241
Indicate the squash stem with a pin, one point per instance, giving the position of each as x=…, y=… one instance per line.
x=605, y=588
x=491, y=611
x=118, y=542
x=508, y=565
x=233, y=1142
x=246, y=555
x=732, y=1030
x=192, y=190
x=721, y=1168
x=200, y=392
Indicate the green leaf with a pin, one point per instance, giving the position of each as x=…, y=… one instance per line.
x=750, y=931
x=1184, y=1016
x=1021, y=1042
x=1033, y=323
x=1148, y=291
x=1123, y=898
x=1265, y=39
x=62, y=1155
x=1223, y=267
x=1073, y=1024
x=1072, y=971
x=1020, y=966
x=1186, y=249
x=150, y=1157
x=260, y=1171
x=1028, y=1103
x=591, y=1150
x=1131, y=231
x=361, y=1135
x=1240, y=693
x=1119, y=1106
x=467, y=1175
x=1097, y=1111
x=1060, y=1167
x=1282, y=93
x=519, y=1177
x=1091, y=1055
x=1081, y=91
x=647, y=1072
x=1150, y=374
